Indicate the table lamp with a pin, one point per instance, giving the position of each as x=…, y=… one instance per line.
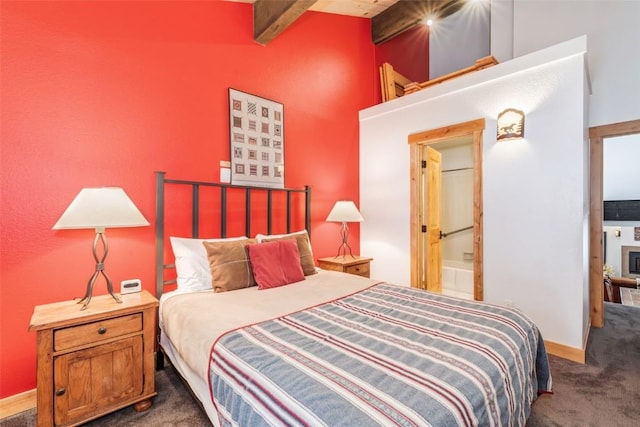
x=100, y=208
x=344, y=211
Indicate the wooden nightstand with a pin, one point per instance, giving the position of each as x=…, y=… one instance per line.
x=358, y=265
x=94, y=361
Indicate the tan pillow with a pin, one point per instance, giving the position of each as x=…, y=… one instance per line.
x=304, y=247
x=229, y=264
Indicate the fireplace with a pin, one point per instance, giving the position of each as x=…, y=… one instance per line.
x=631, y=261
x=634, y=262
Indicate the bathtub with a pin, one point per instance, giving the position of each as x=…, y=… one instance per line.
x=457, y=278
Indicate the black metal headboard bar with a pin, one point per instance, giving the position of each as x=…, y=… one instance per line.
x=269, y=218
x=289, y=213
x=195, y=224
x=223, y=214
x=159, y=232
x=247, y=213
x=161, y=181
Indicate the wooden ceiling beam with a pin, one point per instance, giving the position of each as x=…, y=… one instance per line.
x=270, y=17
x=406, y=14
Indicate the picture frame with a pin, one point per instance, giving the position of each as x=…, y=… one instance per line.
x=256, y=136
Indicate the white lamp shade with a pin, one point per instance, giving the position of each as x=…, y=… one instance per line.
x=345, y=211
x=105, y=207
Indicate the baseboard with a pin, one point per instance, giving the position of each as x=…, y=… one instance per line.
x=18, y=403
x=566, y=352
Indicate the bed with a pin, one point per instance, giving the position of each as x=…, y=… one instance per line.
x=329, y=348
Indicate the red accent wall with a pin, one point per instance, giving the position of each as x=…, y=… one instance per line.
x=408, y=53
x=105, y=93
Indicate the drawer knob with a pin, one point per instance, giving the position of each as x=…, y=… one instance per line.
x=102, y=330
x=60, y=391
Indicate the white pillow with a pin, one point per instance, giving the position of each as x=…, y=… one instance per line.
x=192, y=265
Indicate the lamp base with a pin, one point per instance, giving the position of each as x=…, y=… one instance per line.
x=87, y=296
x=343, y=249
x=99, y=270
x=344, y=234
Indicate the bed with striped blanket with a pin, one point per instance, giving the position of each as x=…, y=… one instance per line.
x=383, y=355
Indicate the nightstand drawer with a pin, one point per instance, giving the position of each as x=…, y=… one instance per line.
x=357, y=265
x=75, y=336
x=358, y=269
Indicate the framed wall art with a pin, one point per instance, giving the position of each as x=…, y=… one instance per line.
x=256, y=131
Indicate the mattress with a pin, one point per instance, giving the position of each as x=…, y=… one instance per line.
x=212, y=337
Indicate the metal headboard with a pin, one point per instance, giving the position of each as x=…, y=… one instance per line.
x=161, y=182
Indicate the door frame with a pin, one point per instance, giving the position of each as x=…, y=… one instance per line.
x=416, y=140
x=597, y=134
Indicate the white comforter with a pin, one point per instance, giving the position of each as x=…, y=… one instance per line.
x=193, y=321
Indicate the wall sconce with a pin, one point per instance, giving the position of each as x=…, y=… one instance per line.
x=100, y=208
x=510, y=124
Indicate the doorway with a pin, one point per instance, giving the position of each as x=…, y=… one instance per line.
x=425, y=250
x=596, y=256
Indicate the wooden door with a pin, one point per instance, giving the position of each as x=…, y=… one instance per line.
x=432, y=217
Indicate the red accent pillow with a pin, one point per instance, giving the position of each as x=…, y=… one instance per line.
x=275, y=263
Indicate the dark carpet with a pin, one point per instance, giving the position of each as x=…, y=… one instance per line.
x=606, y=390
x=601, y=393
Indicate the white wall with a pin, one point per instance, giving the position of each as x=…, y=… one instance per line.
x=533, y=190
x=621, y=178
x=621, y=174
x=459, y=40
x=612, y=28
x=502, y=30
x=457, y=200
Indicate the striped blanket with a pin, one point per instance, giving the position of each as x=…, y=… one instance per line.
x=386, y=355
